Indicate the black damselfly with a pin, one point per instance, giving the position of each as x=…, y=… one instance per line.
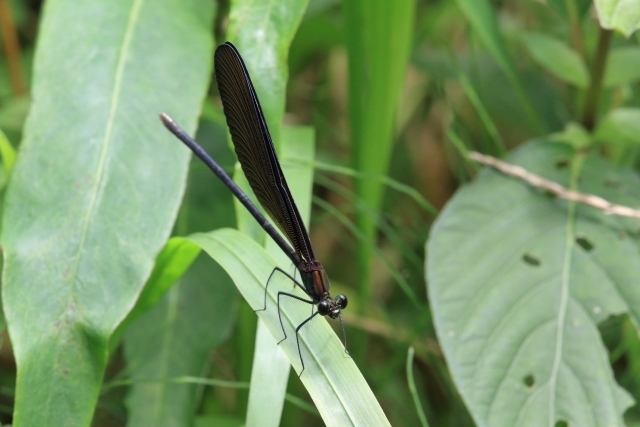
x=259, y=162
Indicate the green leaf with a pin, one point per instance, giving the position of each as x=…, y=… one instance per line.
x=557, y=58
x=623, y=66
x=483, y=20
x=620, y=127
x=518, y=283
x=620, y=15
x=331, y=377
x=172, y=262
x=7, y=152
x=485, y=118
x=174, y=259
x=263, y=32
x=95, y=189
x=270, y=370
x=581, y=7
x=575, y=135
x=268, y=390
x=317, y=33
x=175, y=339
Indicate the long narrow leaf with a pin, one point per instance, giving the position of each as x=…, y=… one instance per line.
x=336, y=386
x=95, y=189
x=378, y=35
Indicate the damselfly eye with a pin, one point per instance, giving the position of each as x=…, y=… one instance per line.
x=324, y=307
x=341, y=301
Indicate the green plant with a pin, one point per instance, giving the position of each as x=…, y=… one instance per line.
x=117, y=313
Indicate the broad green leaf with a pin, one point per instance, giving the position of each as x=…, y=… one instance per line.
x=620, y=127
x=557, y=58
x=620, y=15
x=378, y=36
x=331, y=377
x=623, y=66
x=519, y=281
x=95, y=189
x=175, y=339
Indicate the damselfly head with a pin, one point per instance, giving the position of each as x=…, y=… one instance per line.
x=331, y=306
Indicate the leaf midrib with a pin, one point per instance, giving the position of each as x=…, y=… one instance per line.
x=102, y=161
x=564, y=300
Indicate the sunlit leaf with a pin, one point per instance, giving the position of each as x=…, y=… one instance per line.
x=620, y=15
x=95, y=188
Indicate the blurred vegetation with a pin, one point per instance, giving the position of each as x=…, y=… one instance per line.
x=484, y=76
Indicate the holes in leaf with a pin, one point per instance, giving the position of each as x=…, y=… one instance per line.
x=585, y=243
x=561, y=423
x=529, y=381
x=562, y=163
x=611, y=182
x=531, y=260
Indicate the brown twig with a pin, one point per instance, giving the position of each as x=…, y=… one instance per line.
x=555, y=188
x=11, y=48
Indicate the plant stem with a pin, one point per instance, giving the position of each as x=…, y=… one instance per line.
x=597, y=76
x=11, y=48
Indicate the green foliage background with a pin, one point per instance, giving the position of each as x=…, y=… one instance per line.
x=121, y=272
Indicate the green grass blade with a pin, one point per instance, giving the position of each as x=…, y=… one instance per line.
x=379, y=36
x=331, y=377
x=412, y=388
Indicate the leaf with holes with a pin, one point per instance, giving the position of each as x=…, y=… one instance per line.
x=518, y=282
